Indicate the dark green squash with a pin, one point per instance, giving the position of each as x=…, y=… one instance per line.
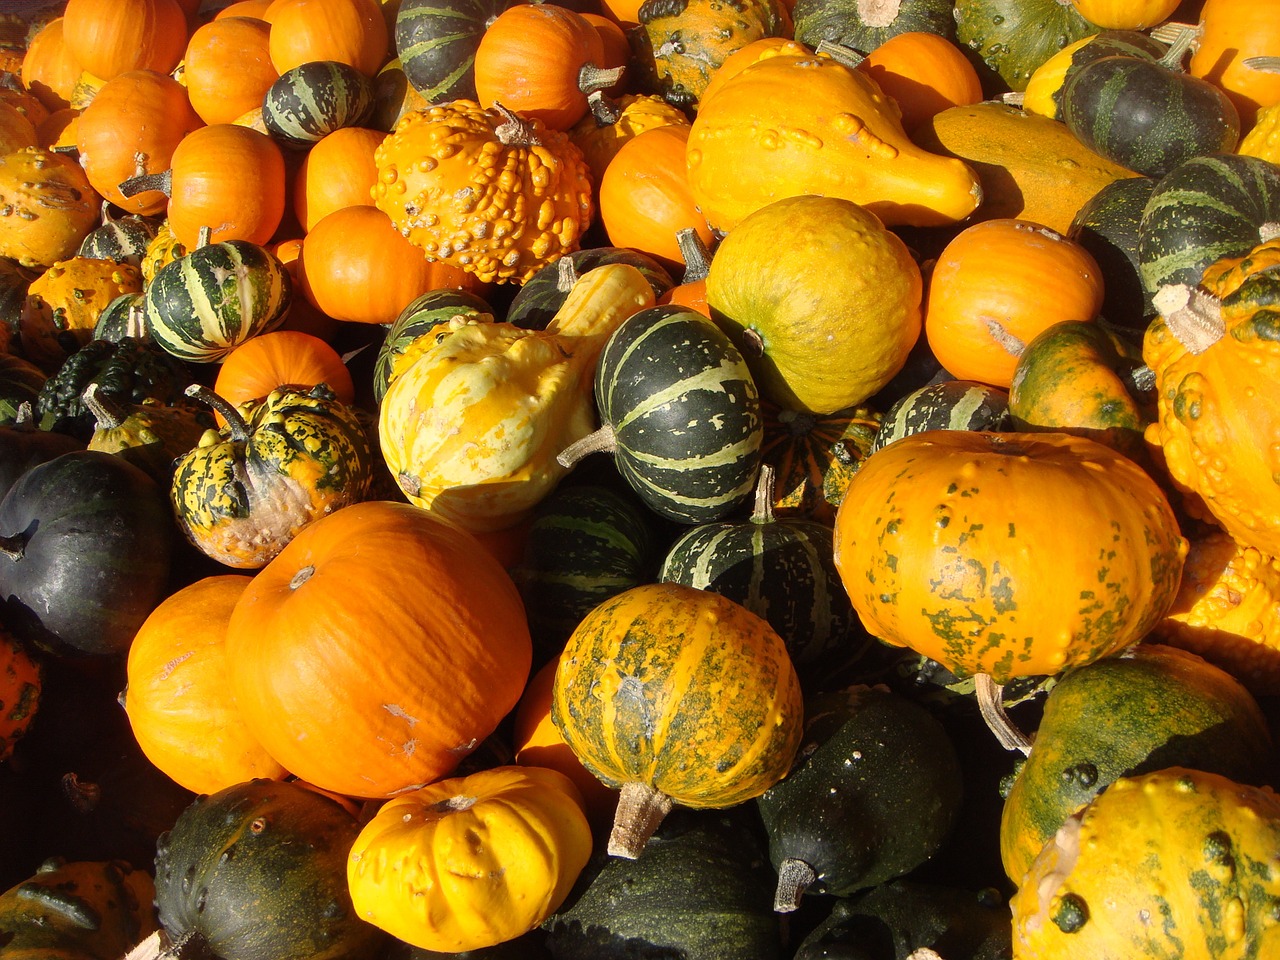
x=1205, y=210
x=863, y=25
x=85, y=541
x=125, y=316
x=23, y=445
x=20, y=382
x=701, y=889
x=257, y=871
x=1147, y=116
x=424, y=314
x=1009, y=39
x=875, y=796
x=539, y=297
x=947, y=405
x=1107, y=226
x=15, y=279
x=1155, y=706
x=437, y=42
x=681, y=414
x=313, y=99
x=1108, y=43
x=123, y=239
x=527, y=947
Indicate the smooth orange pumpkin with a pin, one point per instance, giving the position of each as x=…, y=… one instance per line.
x=348, y=31
x=1232, y=31
x=924, y=73
x=111, y=37
x=302, y=315
x=378, y=649
x=228, y=68
x=337, y=172
x=995, y=286
x=281, y=358
x=49, y=70
x=178, y=699
x=245, y=8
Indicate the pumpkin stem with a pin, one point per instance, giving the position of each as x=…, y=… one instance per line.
x=514, y=129
x=878, y=13
x=840, y=53
x=1263, y=64
x=924, y=953
x=604, y=108
x=1014, y=98
x=148, y=949
x=1271, y=229
x=158, y=946
x=1193, y=316
x=1011, y=344
x=566, y=274
x=794, y=878
x=1170, y=32
x=14, y=547
x=204, y=236
x=641, y=809
x=162, y=181
x=135, y=322
x=752, y=343
x=24, y=418
x=109, y=414
x=762, y=508
x=239, y=429
x=694, y=253
x=1178, y=46
x=991, y=706
x=602, y=440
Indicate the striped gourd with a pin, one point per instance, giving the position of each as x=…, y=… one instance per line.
x=436, y=43
x=202, y=306
x=1107, y=226
x=124, y=239
x=684, y=414
x=949, y=405
x=124, y=316
x=815, y=456
x=314, y=99
x=1207, y=209
x=542, y=295
x=405, y=337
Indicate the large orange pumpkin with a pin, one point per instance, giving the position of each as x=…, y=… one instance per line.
x=378, y=649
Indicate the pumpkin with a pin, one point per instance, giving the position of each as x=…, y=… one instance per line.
x=1153, y=706
x=848, y=143
x=258, y=870
x=132, y=128
x=985, y=300
x=1229, y=34
x=946, y=405
x=337, y=172
x=278, y=465
x=419, y=326
x=451, y=658
x=393, y=97
x=64, y=302
x=16, y=131
x=496, y=195
x=313, y=99
x=599, y=142
x=20, y=680
x=278, y=359
x=1107, y=226
x=924, y=73
x=470, y=862
x=927, y=567
x=539, y=297
x=177, y=696
x=1012, y=38
x=1043, y=95
x=816, y=341
x=123, y=238
x=436, y=44
x=52, y=205
x=1139, y=850
x=111, y=37
x=228, y=67
x=864, y=25
x=49, y=70
x=149, y=435
x=677, y=696
x=1125, y=15
x=346, y=31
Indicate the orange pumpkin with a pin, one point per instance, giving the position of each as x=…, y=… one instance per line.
x=281, y=358
x=924, y=73
x=617, y=51
x=377, y=650
x=301, y=315
x=132, y=128
x=348, y=31
x=228, y=68
x=995, y=286
x=111, y=37
x=337, y=172
x=16, y=131
x=177, y=695
x=1232, y=31
x=245, y=8
x=20, y=684
x=49, y=70
x=355, y=266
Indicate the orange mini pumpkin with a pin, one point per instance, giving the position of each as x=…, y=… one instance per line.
x=337, y=172
x=228, y=68
x=110, y=37
x=281, y=358
x=347, y=31
x=924, y=73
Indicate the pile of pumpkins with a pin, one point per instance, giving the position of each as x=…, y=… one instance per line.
x=718, y=480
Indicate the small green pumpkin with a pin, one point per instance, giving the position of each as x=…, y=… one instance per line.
x=436, y=44
x=863, y=25
x=1011, y=38
x=1107, y=226
x=946, y=405
x=313, y=99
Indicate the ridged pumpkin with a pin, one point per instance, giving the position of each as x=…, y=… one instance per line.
x=942, y=536
x=676, y=695
x=110, y=37
x=279, y=359
x=470, y=862
x=377, y=650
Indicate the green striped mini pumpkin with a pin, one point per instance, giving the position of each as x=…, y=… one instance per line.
x=948, y=405
x=314, y=99
x=684, y=413
x=436, y=44
x=404, y=340
x=202, y=306
x=124, y=239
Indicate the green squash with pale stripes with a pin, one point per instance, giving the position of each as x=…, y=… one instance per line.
x=313, y=99
x=684, y=413
x=124, y=239
x=946, y=405
x=203, y=305
x=405, y=341
x=436, y=43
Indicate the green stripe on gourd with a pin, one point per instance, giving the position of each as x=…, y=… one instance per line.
x=950, y=405
x=863, y=26
x=437, y=42
x=404, y=340
x=203, y=305
x=313, y=99
x=684, y=414
x=124, y=239
x=1207, y=209
x=1013, y=37
x=545, y=292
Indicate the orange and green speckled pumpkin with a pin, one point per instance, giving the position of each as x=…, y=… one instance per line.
x=676, y=695
x=470, y=862
x=19, y=692
x=1176, y=863
x=1011, y=554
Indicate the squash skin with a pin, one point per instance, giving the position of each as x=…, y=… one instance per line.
x=927, y=568
x=1107, y=226
x=1013, y=37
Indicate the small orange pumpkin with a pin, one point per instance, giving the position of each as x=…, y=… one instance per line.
x=111, y=37
x=228, y=68
x=924, y=73
x=348, y=31
x=281, y=358
x=337, y=172
x=49, y=70
x=1232, y=31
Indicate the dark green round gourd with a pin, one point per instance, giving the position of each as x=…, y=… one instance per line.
x=85, y=541
x=946, y=405
x=539, y=297
x=437, y=42
x=1107, y=226
x=877, y=794
x=781, y=569
x=527, y=947
x=123, y=239
x=313, y=99
x=257, y=871
x=23, y=445
x=1146, y=116
x=701, y=889
x=1009, y=39
x=1205, y=210
x=124, y=316
x=20, y=382
x=422, y=315
x=683, y=414
x=863, y=25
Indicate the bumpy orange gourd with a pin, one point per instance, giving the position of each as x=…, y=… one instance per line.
x=47, y=207
x=944, y=541
x=484, y=190
x=64, y=302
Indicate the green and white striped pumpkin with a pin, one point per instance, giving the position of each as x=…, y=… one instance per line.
x=314, y=99
x=202, y=306
x=684, y=413
x=948, y=405
x=436, y=43
x=124, y=239
x=404, y=340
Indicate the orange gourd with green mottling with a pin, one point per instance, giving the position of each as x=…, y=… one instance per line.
x=676, y=695
x=1215, y=350
x=943, y=536
x=19, y=692
x=63, y=305
x=1192, y=851
x=470, y=862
